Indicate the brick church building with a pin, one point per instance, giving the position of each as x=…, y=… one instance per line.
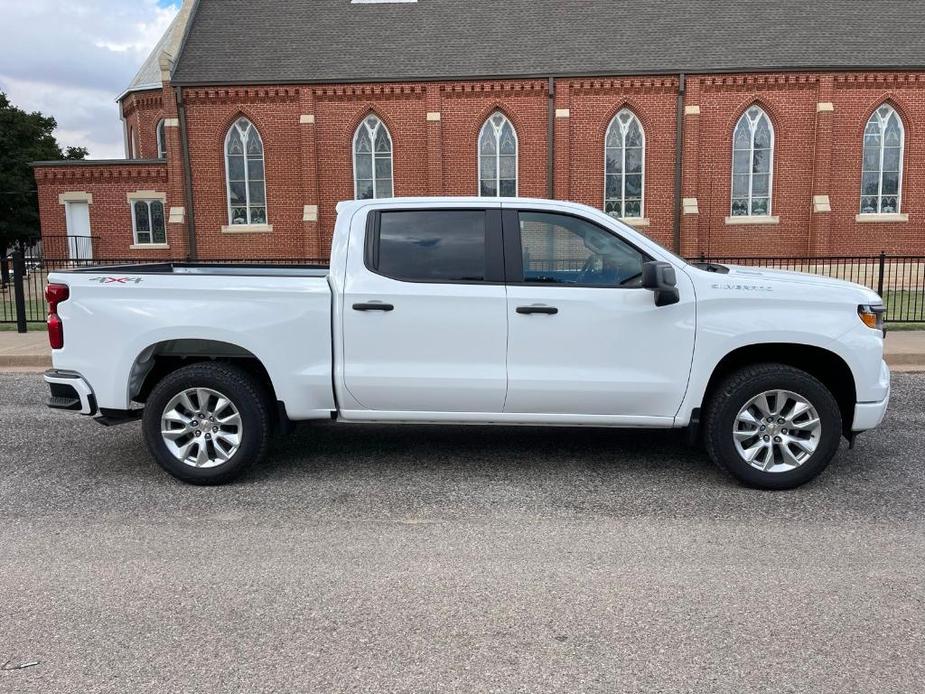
x=720, y=127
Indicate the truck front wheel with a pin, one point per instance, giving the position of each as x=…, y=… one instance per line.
x=772, y=426
x=207, y=422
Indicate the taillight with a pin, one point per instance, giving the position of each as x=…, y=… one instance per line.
x=54, y=295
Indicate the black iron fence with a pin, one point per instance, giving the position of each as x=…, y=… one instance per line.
x=900, y=280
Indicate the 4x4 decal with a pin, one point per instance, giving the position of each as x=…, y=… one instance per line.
x=117, y=280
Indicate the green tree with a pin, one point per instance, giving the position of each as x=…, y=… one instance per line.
x=24, y=138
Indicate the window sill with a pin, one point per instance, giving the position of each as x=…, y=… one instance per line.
x=150, y=247
x=883, y=218
x=247, y=229
x=752, y=219
x=636, y=221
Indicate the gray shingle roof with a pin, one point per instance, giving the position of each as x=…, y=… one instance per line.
x=266, y=41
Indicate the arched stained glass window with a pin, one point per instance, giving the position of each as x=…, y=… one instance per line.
x=372, y=160
x=244, y=169
x=752, y=164
x=882, y=167
x=498, y=157
x=624, y=166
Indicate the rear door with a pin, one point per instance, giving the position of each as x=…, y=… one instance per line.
x=425, y=312
x=585, y=338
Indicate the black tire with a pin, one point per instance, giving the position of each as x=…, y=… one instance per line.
x=731, y=396
x=245, y=393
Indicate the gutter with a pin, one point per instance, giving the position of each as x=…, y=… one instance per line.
x=679, y=162
x=551, y=139
x=588, y=74
x=187, y=178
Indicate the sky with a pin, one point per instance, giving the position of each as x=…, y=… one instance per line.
x=71, y=58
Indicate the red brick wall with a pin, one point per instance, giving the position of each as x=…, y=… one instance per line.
x=816, y=153
x=592, y=106
x=142, y=111
x=275, y=114
x=110, y=214
x=856, y=97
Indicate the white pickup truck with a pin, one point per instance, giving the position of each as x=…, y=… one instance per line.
x=473, y=311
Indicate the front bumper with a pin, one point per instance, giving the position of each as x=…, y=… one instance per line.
x=869, y=415
x=69, y=391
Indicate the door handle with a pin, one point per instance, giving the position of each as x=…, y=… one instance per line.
x=373, y=307
x=547, y=310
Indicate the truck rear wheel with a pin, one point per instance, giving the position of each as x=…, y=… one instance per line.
x=207, y=422
x=772, y=426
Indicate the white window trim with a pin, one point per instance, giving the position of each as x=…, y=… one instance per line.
x=247, y=181
x=754, y=219
x=642, y=190
x=247, y=229
x=161, y=132
x=372, y=139
x=478, y=154
x=902, y=154
x=882, y=217
x=751, y=173
x=148, y=200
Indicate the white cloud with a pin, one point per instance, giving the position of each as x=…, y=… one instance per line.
x=71, y=60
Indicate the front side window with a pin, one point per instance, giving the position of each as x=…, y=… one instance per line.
x=624, y=164
x=161, y=140
x=372, y=160
x=498, y=157
x=560, y=249
x=432, y=245
x=148, y=222
x=752, y=160
x=244, y=169
x=881, y=172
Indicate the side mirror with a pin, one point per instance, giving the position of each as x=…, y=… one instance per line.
x=660, y=277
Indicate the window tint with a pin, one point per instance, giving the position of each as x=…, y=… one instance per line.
x=433, y=246
x=558, y=249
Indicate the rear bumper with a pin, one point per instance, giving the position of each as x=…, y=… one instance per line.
x=69, y=391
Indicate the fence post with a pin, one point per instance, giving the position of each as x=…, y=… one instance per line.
x=880, y=274
x=19, y=276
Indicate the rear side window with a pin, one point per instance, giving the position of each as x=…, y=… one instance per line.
x=432, y=245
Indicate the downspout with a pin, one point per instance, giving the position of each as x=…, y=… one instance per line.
x=679, y=162
x=551, y=139
x=187, y=177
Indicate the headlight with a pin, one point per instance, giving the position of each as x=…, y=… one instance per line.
x=872, y=315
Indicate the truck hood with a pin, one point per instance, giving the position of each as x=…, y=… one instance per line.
x=741, y=272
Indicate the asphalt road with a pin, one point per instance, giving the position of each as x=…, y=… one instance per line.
x=444, y=559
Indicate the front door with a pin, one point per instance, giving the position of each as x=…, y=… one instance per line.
x=425, y=313
x=585, y=337
x=79, y=243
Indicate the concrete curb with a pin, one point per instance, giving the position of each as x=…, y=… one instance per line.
x=19, y=361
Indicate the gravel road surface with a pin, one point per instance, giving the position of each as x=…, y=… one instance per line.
x=470, y=559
